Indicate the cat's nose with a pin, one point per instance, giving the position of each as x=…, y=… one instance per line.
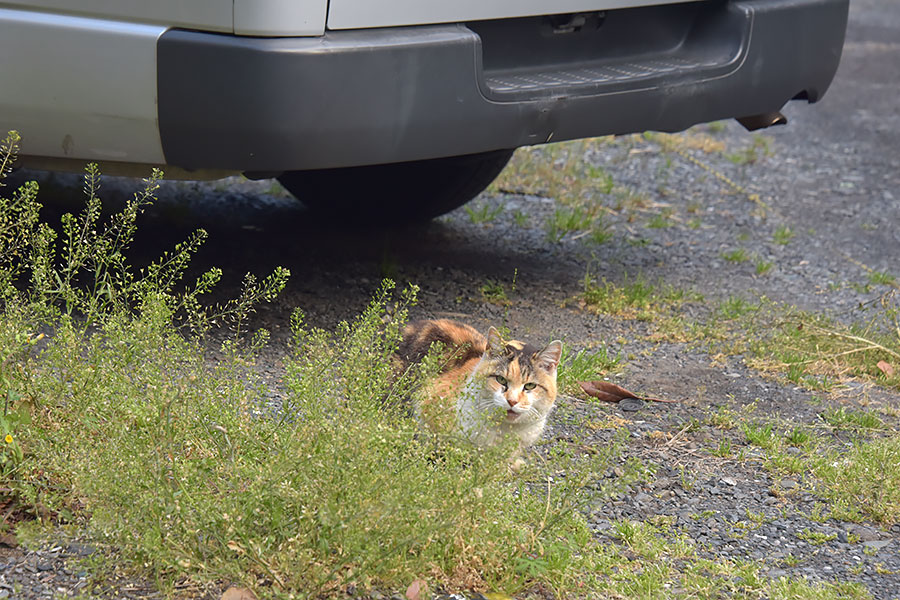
x=512, y=401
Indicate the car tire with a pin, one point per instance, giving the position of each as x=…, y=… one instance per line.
x=396, y=193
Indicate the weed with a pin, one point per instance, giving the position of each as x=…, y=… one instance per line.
x=783, y=235
x=862, y=481
x=759, y=435
x=842, y=418
x=493, y=292
x=567, y=220
x=723, y=418
x=762, y=267
x=724, y=449
x=485, y=213
x=816, y=538
x=520, y=218
x=735, y=307
x=634, y=298
x=738, y=255
x=798, y=437
x=585, y=365
x=716, y=127
x=882, y=278
x=661, y=220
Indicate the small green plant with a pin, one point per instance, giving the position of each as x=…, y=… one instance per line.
x=520, y=218
x=723, y=450
x=816, y=538
x=759, y=435
x=723, y=418
x=798, y=437
x=484, y=213
x=882, y=278
x=738, y=255
x=601, y=179
x=736, y=307
x=585, y=365
x=762, y=266
x=600, y=234
x=863, y=482
x=567, y=220
x=790, y=560
x=783, y=235
x=844, y=418
x=494, y=292
x=661, y=220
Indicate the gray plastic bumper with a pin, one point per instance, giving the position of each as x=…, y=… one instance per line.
x=388, y=95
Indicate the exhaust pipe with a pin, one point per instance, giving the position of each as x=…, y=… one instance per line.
x=762, y=121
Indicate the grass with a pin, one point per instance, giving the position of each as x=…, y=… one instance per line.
x=762, y=267
x=737, y=255
x=585, y=365
x=634, y=298
x=783, y=235
x=494, y=293
x=820, y=352
x=484, y=213
x=120, y=428
x=567, y=220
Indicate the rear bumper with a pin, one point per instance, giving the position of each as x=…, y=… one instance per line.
x=389, y=95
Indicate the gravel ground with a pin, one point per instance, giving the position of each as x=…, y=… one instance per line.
x=832, y=175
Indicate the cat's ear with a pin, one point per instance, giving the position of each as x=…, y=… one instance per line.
x=548, y=358
x=495, y=344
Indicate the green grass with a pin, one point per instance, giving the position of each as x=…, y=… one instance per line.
x=762, y=267
x=882, y=278
x=783, y=235
x=124, y=432
x=567, y=220
x=738, y=255
x=483, y=213
x=585, y=365
x=634, y=298
x=661, y=220
x=863, y=482
x=495, y=293
x=843, y=418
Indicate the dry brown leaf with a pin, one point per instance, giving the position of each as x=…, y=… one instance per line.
x=886, y=368
x=610, y=392
x=415, y=590
x=9, y=540
x=236, y=593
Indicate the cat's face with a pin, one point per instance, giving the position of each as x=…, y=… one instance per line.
x=517, y=381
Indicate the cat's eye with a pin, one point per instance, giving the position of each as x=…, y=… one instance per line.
x=501, y=380
x=530, y=386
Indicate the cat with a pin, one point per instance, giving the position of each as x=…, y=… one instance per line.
x=488, y=388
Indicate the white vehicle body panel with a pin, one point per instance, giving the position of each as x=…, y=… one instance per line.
x=243, y=17
x=280, y=17
x=83, y=79
x=359, y=14
x=208, y=15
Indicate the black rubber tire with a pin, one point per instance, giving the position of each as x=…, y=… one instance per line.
x=396, y=193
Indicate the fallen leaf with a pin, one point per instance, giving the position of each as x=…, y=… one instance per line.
x=496, y=596
x=415, y=590
x=886, y=368
x=236, y=593
x=610, y=392
x=8, y=540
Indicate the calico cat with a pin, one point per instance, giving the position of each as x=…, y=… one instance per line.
x=487, y=387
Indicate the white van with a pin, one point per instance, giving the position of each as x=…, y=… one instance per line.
x=396, y=108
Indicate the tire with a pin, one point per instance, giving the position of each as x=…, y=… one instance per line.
x=396, y=193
